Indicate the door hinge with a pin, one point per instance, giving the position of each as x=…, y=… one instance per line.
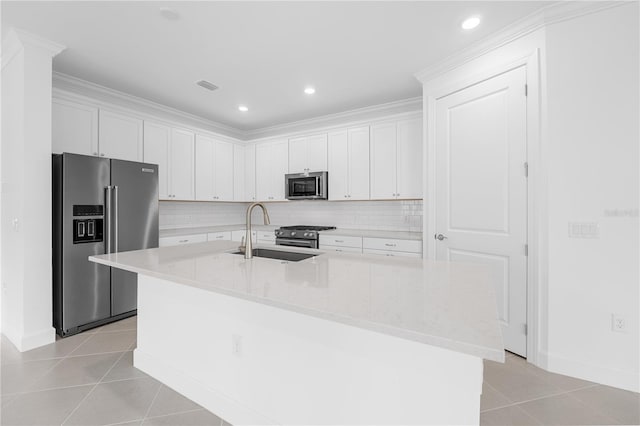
x=526, y=90
x=526, y=249
x=526, y=169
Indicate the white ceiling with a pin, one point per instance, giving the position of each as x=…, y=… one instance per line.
x=261, y=54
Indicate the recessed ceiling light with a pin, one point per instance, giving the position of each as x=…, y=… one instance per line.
x=470, y=23
x=243, y=108
x=169, y=13
x=309, y=90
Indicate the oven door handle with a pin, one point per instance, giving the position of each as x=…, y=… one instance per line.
x=295, y=243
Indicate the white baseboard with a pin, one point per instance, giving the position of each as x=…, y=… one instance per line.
x=594, y=373
x=31, y=341
x=195, y=390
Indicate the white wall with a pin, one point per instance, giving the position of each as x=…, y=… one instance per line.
x=26, y=189
x=593, y=122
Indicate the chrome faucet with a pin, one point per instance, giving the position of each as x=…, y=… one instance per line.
x=248, y=246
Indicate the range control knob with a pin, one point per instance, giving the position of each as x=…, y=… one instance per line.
x=278, y=232
x=293, y=233
x=307, y=234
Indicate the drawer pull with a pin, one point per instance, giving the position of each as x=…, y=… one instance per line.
x=220, y=236
x=339, y=241
x=183, y=241
x=389, y=245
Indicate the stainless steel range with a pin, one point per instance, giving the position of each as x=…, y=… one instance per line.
x=300, y=235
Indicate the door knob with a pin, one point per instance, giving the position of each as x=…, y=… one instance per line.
x=440, y=237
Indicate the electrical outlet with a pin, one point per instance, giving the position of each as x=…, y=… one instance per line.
x=584, y=230
x=618, y=323
x=236, y=345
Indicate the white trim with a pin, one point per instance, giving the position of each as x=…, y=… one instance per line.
x=25, y=343
x=554, y=13
x=595, y=373
x=16, y=40
x=340, y=119
x=535, y=191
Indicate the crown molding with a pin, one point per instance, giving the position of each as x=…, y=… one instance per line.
x=559, y=12
x=91, y=90
x=369, y=113
x=16, y=40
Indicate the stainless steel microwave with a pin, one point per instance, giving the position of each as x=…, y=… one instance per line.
x=306, y=186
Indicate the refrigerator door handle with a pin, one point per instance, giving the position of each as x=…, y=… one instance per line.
x=115, y=219
x=108, y=243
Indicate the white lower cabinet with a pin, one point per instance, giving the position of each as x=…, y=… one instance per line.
x=392, y=247
x=340, y=249
x=240, y=234
x=219, y=236
x=182, y=239
x=266, y=237
x=391, y=253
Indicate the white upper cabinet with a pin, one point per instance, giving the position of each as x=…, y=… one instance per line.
x=409, y=159
x=74, y=128
x=250, y=172
x=308, y=154
x=396, y=160
x=348, y=153
x=214, y=169
x=271, y=166
x=157, y=139
x=238, y=173
x=173, y=151
x=181, y=156
x=120, y=136
x=383, y=161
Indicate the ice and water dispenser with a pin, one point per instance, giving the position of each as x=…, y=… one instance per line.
x=88, y=223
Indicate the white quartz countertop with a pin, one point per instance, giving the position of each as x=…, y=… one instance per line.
x=372, y=233
x=445, y=304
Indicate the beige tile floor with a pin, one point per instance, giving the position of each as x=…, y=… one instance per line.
x=88, y=379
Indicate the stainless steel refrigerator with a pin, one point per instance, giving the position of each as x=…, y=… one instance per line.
x=100, y=206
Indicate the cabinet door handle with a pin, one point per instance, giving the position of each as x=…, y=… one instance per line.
x=102, y=155
x=183, y=241
x=95, y=153
x=389, y=245
x=339, y=241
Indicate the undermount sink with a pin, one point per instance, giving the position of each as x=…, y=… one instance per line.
x=290, y=256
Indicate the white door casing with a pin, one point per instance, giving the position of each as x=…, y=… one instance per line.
x=481, y=189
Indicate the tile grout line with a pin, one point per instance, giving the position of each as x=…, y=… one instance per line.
x=182, y=412
x=152, y=402
x=538, y=398
x=92, y=389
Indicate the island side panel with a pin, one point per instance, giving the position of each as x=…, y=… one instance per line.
x=290, y=368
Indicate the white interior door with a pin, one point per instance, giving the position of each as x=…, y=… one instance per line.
x=481, y=190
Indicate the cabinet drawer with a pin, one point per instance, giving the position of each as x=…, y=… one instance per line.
x=240, y=234
x=391, y=253
x=266, y=235
x=342, y=249
x=219, y=236
x=340, y=241
x=182, y=239
x=411, y=246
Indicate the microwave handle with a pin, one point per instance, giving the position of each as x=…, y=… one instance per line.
x=317, y=185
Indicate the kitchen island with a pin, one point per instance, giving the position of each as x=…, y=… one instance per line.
x=333, y=339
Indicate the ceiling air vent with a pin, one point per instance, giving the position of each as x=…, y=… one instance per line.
x=207, y=85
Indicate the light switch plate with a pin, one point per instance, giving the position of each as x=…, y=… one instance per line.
x=584, y=230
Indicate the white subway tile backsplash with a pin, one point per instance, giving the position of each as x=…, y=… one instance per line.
x=378, y=215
